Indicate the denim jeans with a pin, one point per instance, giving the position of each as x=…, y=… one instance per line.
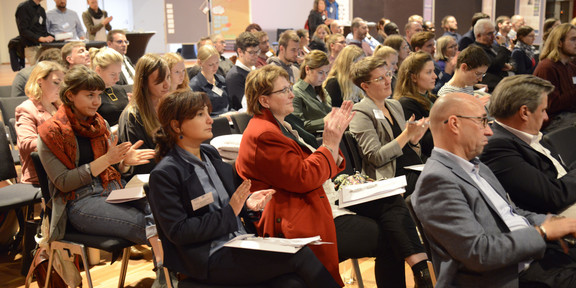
x=90, y=213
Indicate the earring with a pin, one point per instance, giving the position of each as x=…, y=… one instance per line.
x=181, y=137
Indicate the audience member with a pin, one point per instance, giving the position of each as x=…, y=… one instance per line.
x=311, y=103
x=210, y=82
x=247, y=49
x=339, y=85
x=96, y=21
x=332, y=10
x=478, y=237
x=318, y=39
x=391, y=29
x=225, y=64
x=139, y=119
x=446, y=50
x=469, y=37
x=336, y=28
x=184, y=162
x=43, y=102
x=264, y=47
x=178, y=76
x=31, y=22
x=556, y=66
x=424, y=41
x=288, y=44
x=64, y=23
x=116, y=40
x=416, y=18
x=410, y=29
x=499, y=56
x=517, y=21
x=84, y=160
x=381, y=35
x=428, y=26
x=450, y=26
x=195, y=69
x=399, y=44
x=75, y=53
x=304, y=40
x=389, y=55
x=295, y=170
x=20, y=79
x=416, y=78
x=107, y=63
x=359, y=31
x=471, y=67
x=529, y=170
x=524, y=54
x=253, y=27
x=504, y=26
x=335, y=43
x=549, y=24
x=317, y=16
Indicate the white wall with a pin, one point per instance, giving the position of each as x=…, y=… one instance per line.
x=294, y=14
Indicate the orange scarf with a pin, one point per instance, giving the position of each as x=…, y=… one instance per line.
x=59, y=135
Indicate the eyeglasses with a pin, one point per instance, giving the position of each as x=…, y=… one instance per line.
x=254, y=52
x=120, y=42
x=388, y=74
x=483, y=120
x=343, y=42
x=283, y=90
x=480, y=74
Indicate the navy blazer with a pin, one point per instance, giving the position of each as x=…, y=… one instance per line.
x=529, y=176
x=187, y=234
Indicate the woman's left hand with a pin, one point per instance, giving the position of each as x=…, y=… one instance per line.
x=258, y=200
x=136, y=156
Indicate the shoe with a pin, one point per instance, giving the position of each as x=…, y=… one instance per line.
x=422, y=279
x=136, y=254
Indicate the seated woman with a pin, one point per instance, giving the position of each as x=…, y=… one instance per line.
x=416, y=78
x=318, y=38
x=42, y=90
x=311, y=103
x=193, y=237
x=446, y=50
x=209, y=82
x=178, y=76
x=338, y=85
x=399, y=44
x=84, y=161
x=108, y=64
x=335, y=43
x=524, y=54
x=390, y=56
x=273, y=156
x=139, y=120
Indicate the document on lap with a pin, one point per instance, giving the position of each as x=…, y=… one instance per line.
x=282, y=245
x=133, y=190
x=361, y=193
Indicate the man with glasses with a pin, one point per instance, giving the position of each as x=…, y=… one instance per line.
x=225, y=64
x=116, y=40
x=471, y=66
x=499, y=56
x=247, y=49
x=288, y=45
x=532, y=173
x=477, y=236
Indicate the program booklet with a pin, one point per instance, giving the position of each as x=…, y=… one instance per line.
x=283, y=245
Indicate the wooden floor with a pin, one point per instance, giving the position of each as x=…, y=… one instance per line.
x=140, y=272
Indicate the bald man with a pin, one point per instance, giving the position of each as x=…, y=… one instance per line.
x=478, y=237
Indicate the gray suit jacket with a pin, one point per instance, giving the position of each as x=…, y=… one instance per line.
x=471, y=245
x=375, y=138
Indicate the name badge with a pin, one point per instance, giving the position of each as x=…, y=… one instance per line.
x=40, y=19
x=217, y=90
x=202, y=201
x=378, y=114
x=574, y=80
x=65, y=25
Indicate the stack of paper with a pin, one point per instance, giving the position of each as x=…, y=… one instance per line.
x=283, y=245
x=360, y=193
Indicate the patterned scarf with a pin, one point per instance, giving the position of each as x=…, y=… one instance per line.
x=59, y=135
x=528, y=49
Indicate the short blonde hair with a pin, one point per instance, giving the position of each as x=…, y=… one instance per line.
x=104, y=57
x=40, y=71
x=382, y=51
x=206, y=52
x=261, y=82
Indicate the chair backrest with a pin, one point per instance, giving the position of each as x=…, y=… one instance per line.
x=42, y=176
x=562, y=140
x=12, y=130
x=419, y=226
x=8, y=106
x=353, y=149
x=221, y=126
x=240, y=121
x=5, y=91
x=7, y=168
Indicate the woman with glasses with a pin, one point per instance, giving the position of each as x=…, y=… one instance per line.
x=311, y=102
x=107, y=63
x=388, y=143
x=274, y=156
x=43, y=102
x=524, y=54
x=139, y=119
x=399, y=44
x=446, y=50
x=338, y=84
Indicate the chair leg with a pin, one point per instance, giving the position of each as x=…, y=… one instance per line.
x=84, y=256
x=168, y=278
x=357, y=272
x=124, y=268
x=50, y=262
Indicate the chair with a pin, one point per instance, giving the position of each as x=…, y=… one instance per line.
x=75, y=243
x=5, y=91
x=188, y=51
x=240, y=121
x=8, y=108
x=354, y=150
x=220, y=127
x=563, y=142
x=13, y=141
x=423, y=238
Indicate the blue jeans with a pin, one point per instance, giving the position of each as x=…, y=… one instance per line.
x=90, y=213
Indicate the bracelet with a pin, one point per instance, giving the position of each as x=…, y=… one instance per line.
x=329, y=149
x=542, y=232
x=414, y=145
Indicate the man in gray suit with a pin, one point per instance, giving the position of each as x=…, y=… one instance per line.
x=478, y=237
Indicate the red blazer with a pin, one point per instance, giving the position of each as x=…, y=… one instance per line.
x=300, y=207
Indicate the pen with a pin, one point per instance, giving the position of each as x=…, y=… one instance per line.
x=416, y=122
